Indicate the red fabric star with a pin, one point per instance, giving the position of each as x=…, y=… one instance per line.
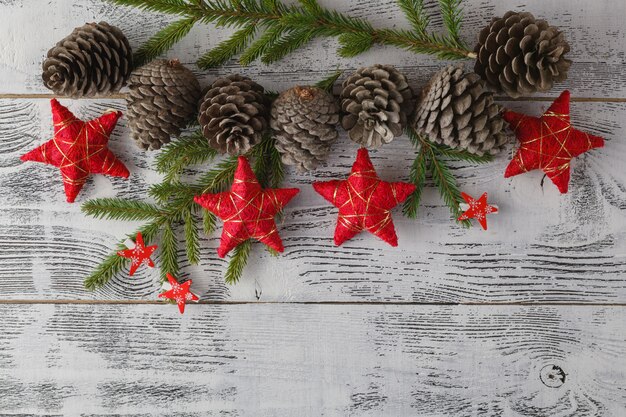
x=139, y=255
x=478, y=209
x=364, y=201
x=179, y=293
x=247, y=210
x=79, y=148
x=549, y=142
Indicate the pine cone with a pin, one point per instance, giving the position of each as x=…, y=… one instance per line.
x=163, y=98
x=519, y=55
x=375, y=102
x=454, y=109
x=303, y=121
x=233, y=114
x=94, y=59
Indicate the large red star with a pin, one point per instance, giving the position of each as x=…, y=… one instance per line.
x=364, y=201
x=139, y=255
x=180, y=293
x=549, y=142
x=478, y=209
x=79, y=148
x=247, y=210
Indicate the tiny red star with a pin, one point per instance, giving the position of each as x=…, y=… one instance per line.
x=247, y=210
x=79, y=148
x=139, y=255
x=364, y=201
x=179, y=293
x=549, y=142
x=478, y=209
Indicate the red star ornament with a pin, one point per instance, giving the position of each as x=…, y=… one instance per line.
x=180, y=293
x=139, y=255
x=79, y=148
x=549, y=142
x=247, y=210
x=364, y=201
x=478, y=209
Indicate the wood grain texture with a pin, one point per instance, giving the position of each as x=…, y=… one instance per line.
x=544, y=247
x=594, y=30
x=312, y=360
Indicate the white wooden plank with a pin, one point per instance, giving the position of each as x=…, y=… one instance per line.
x=312, y=360
x=543, y=247
x=594, y=29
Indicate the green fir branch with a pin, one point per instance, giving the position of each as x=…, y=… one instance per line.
x=328, y=83
x=446, y=183
x=462, y=155
x=417, y=176
x=168, y=254
x=192, y=242
x=284, y=28
x=237, y=262
x=163, y=40
x=228, y=48
x=119, y=209
x=209, y=221
x=190, y=149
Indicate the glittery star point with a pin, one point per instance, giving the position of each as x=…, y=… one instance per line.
x=549, y=142
x=364, y=201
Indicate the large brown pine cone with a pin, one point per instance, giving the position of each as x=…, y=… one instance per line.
x=94, y=59
x=454, y=109
x=304, y=122
x=233, y=114
x=519, y=55
x=163, y=98
x=375, y=101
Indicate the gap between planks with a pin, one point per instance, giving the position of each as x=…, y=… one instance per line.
x=498, y=98
x=336, y=303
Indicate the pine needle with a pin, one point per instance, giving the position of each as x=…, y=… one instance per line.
x=414, y=11
x=208, y=222
x=191, y=149
x=168, y=254
x=237, y=262
x=462, y=155
x=445, y=182
x=328, y=83
x=163, y=40
x=452, y=15
x=228, y=48
x=192, y=243
x=120, y=209
x=417, y=176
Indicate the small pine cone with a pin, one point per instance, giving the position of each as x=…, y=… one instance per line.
x=163, y=98
x=94, y=59
x=233, y=114
x=375, y=102
x=303, y=121
x=519, y=55
x=454, y=109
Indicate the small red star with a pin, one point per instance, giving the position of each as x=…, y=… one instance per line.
x=549, y=142
x=139, y=255
x=79, y=148
x=179, y=293
x=478, y=209
x=364, y=201
x=247, y=210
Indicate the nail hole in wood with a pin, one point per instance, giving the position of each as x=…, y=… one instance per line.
x=552, y=376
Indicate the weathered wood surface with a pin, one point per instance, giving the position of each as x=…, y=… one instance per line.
x=313, y=360
x=595, y=30
x=543, y=247
x=377, y=349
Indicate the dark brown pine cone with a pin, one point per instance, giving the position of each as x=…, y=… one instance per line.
x=233, y=114
x=163, y=98
x=94, y=59
x=304, y=121
x=519, y=54
x=375, y=102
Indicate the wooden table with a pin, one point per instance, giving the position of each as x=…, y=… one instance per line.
x=526, y=319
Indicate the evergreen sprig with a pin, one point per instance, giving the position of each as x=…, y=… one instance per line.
x=270, y=29
x=431, y=158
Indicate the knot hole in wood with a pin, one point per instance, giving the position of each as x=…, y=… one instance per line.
x=552, y=376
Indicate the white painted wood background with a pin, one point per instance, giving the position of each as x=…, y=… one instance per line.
x=432, y=328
